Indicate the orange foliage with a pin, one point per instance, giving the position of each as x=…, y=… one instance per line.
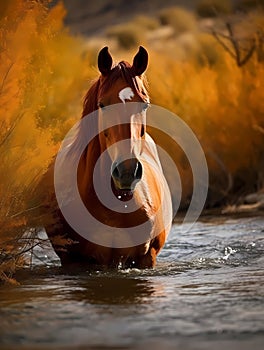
x=224, y=105
x=43, y=76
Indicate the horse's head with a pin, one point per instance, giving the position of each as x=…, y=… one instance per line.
x=120, y=85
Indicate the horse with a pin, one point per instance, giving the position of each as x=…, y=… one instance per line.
x=127, y=166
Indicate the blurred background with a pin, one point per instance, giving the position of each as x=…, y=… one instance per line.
x=206, y=66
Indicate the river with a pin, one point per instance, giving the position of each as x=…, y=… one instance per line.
x=207, y=292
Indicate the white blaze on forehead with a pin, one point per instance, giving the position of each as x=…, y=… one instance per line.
x=126, y=94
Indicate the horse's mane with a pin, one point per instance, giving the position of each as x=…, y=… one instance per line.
x=121, y=70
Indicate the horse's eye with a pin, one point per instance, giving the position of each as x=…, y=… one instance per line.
x=146, y=106
x=100, y=105
x=142, y=133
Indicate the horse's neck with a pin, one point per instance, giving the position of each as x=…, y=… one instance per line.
x=87, y=164
x=93, y=151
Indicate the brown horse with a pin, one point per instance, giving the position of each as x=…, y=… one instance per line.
x=117, y=163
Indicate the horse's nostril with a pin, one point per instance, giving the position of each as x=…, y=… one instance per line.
x=138, y=172
x=115, y=173
x=127, y=173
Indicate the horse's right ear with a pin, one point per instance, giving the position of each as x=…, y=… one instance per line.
x=104, y=61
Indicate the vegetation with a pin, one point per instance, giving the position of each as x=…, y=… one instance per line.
x=128, y=36
x=180, y=19
x=247, y=5
x=146, y=22
x=45, y=72
x=131, y=34
x=214, y=8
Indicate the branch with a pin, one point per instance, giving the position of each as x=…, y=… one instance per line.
x=234, y=42
x=5, y=77
x=237, y=49
x=11, y=129
x=25, y=211
x=249, y=54
x=221, y=42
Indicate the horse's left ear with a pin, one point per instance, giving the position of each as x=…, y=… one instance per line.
x=140, y=61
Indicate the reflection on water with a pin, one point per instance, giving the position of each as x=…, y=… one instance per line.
x=207, y=292
x=113, y=290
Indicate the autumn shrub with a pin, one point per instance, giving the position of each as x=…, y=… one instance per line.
x=223, y=104
x=43, y=75
x=208, y=51
x=146, y=22
x=213, y=8
x=127, y=35
x=179, y=18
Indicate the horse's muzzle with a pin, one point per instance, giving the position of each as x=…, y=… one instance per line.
x=127, y=174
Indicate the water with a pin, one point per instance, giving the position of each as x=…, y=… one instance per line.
x=207, y=292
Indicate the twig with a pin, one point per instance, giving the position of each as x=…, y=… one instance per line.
x=217, y=37
x=11, y=129
x=237, y=49
x=5, y=77
x=25, y=211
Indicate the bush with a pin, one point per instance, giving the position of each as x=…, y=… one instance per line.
x=43, y=76
x=209, y=51
x=214, y=8
x=127, y=35
x=146, y=22
x=180, y=19
x=223, y=104
x=247, y=5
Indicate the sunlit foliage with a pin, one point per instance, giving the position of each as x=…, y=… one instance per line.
x=223, y=104
x=43, y=75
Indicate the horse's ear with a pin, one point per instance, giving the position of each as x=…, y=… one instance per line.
x=104, y=61
x=140, y=61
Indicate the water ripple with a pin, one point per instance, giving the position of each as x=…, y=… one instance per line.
x=207, y=289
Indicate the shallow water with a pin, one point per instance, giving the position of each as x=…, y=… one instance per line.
x=207, y=292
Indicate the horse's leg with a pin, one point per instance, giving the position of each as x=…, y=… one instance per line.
x=74, y=250
x=62, y=240
x=59, y=244
x=149, y=259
